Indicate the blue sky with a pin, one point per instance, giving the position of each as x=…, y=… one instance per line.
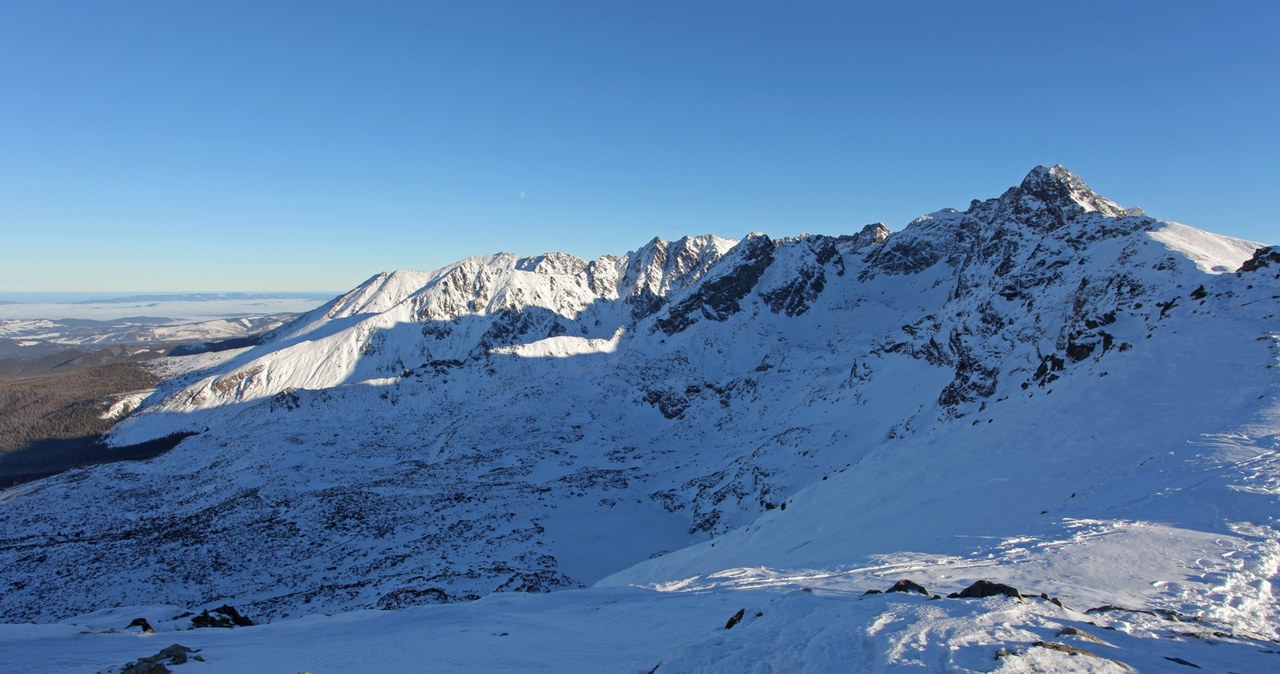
x=188, y=146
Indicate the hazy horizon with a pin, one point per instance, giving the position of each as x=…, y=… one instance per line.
x=73, y=296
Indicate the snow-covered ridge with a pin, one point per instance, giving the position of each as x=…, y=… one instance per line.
x=1045, y=389
x=1212, y=253
x=474, y=306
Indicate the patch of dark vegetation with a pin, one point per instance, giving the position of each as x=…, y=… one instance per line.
x=21, y=362
x=214, y=347
x=64, y=405
x=43, y=458
x=53, y=422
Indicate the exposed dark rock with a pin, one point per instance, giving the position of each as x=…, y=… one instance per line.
x=670, y=404
x=1106, y=319
x=145, y=667
x=175, y=654
x=511, y=327
x=869, y=235
x=1180, y=661
x=436, y=331
x=224, y=616
x=986, y=588
x=1078, y=633
x=794, y=297
x=286, y=400
x=544, y=580
x=408, y=596
x=905, y=585
x=908, y=255
x=735, y=618
x=1048, y=365
x=973, y=378
x=1262, y=257
x=1063, y=648
x=645, y=303
x=719, y=298
x=142, y=622
x=1077, y=351
x=443, y=366
x=705, y=522
x=1111, y=607
x=1053, y=600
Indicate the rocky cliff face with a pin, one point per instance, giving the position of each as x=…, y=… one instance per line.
x=527, y=424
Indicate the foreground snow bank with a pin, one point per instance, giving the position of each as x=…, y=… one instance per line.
x=783, y=629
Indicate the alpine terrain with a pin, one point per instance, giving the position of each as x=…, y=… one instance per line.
x=700, y=456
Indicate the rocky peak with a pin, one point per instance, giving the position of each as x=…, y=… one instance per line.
x=1057, y=187
x=874, y=233
x=1045, y=201
x=720, y=294
x=552, y=263
x=651, y=273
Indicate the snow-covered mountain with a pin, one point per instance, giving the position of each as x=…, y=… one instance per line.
x=1045, y=390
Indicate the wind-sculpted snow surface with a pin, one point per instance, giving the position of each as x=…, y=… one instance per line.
x=1045, y=390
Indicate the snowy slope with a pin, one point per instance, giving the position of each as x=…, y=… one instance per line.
x=1045, y=390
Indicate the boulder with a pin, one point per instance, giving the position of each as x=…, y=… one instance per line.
x=986, y=588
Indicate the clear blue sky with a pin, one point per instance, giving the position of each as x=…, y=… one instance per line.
x=182, y=146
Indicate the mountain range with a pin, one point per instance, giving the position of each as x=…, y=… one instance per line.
x=1045, y=390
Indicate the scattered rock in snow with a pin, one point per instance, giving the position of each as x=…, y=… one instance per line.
x=1078, y=633
x=986, y=588
x=1262, y=257
x=175, y=654
x=1064, y=648
x=227, y=616
x=1111, y=607
x=1052, y=600
x=735, y=618
x=142, y=622
x=905, y=585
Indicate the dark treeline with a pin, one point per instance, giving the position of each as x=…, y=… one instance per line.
x=65, y=405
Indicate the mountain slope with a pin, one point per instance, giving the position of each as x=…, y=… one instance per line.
x=1045, y=389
